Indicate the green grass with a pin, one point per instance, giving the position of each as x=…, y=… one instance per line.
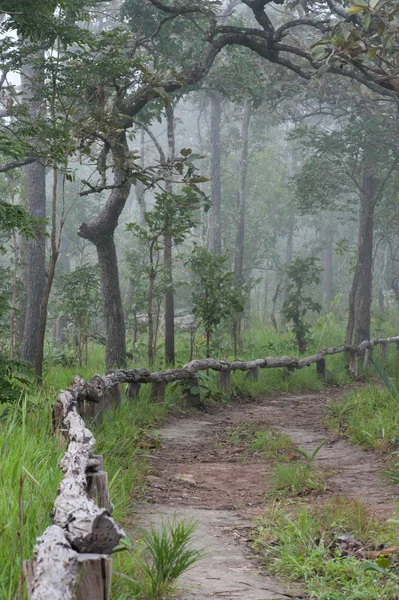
x=267, y=443
x=369, y=416
x=299, y=545
x=29, y=455
x=295, y=479
x=152, y=566
x=29, y=474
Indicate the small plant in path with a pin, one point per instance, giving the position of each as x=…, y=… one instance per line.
x=309, y=456
x=170, y=555
x=295, y=479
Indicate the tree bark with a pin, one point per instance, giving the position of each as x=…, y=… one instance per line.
x=240, y=232
x=358, y=328
x=34, y=181
x=243, y=169
x=328, y=295
x=100, y=231
x=289, y=252
x=115, y=335
x=140, y=188
x=215, y=220
x=167, y=254
x=54, y=253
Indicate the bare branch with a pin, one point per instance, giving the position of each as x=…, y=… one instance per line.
x=321, y=25
x=154, y=140
x=97, y=189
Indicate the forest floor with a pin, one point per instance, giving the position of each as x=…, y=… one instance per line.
x=195, y=472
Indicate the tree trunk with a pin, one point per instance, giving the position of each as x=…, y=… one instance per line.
x=140, y=188
x=240, y=232
x=167, y=255
x=358, y=328
x=289, y=252
x=215, y=219
x=54, y=253
x=266, y=299
x=115, y=335
x=34, y=182
x=100, y=231
x=328, y=295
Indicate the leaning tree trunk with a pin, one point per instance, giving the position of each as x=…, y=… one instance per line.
x=240, y=232
x=34, y=182
x=100, y=231
x=358, y=328
x=215, y=219
x=167, y=255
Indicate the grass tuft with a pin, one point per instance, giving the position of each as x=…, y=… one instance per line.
x=295, y=479
x=299, y=546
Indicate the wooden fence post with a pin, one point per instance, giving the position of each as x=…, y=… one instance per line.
x=133, y=389
x=192, y=399
x=225, y=381
x=253, y=373
x=353, y=364
x=94, y=577
x=158, y=391
x=97, y=489
x=321, y=368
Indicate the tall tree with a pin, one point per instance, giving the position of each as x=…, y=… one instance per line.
x=352, y=164
x=167, y=252
x=215, y=219
x=34, y=174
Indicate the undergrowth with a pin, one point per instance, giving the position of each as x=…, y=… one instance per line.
x=368, y=416
x=29, y=475
x=29, y=455
x=153, y=567
x=296, y=479
x=267, y=443
x=299, y=544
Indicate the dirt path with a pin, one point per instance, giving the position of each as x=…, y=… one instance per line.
x=194, y=475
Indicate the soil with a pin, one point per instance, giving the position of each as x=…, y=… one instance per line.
x=193, y=474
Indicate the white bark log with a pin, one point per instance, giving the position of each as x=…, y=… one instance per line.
x=54, y=567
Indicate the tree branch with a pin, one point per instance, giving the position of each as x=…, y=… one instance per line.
x=14, y=164
x=320, y=25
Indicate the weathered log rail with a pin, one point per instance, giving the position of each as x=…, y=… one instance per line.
x=135, y=377
x=76, y=547
x=71, y=559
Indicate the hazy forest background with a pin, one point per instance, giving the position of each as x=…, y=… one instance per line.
x=189, y=179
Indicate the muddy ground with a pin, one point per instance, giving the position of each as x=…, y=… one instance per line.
x=193, y=474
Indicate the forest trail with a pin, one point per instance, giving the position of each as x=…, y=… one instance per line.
x=195, y=474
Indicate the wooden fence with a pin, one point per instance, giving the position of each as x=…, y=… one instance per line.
x=71, y=559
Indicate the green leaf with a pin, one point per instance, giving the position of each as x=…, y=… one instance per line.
x=352, y=10
x=319, y=52
x=371, y=53
x=383, y=562
x=373, y=567
x=366, y=20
